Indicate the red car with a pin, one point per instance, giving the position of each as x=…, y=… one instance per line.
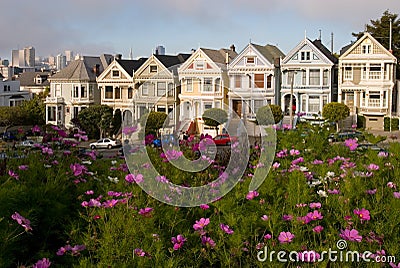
x=224, y=139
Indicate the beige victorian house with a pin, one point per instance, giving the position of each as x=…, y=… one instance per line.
x=367, y=79
x=204, y=84
x=117, y=87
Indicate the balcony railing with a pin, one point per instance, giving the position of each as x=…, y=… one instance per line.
x=54, y=100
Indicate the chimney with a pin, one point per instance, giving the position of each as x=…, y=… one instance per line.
x=232, y=47
x=96, y=69
x=226, y=57
x=118, y=56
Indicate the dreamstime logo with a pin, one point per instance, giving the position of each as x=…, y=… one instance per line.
x=339, y=255
x=161, y=188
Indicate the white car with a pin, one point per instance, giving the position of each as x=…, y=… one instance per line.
x=105, y=143
x=27, y=143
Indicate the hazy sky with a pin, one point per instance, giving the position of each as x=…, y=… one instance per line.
x=93, y=27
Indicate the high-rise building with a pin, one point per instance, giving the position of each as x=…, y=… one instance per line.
x=61, y=61
x=23, y=57
x=69, y=55
x=160, y=50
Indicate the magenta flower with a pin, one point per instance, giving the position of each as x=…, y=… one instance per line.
x=43, y=263
x=77, y=248
x=89, y=192
x=372, y=167
x=371, y=191
x=139, y=252
x=287, y=217
x=304, y=219
x=251, y=195
x=285, y=237
x=391, y=184
x=267, y=236
x=13, y=174
x=308, y=256
x=47, y=150
x=350, y=235
x=23, y=167
x=298, y=161
x=22, y=221
x=62, y=250
x=207, y=241
x=110, y=203
x=264, y=217
x=351, y=144
x=294, y=152
x=315, y=205
x=383, y=154
x=77, y=169
x=36, y=129
x=178, y=241
x=363, y=214
x=145, y=211
x=204, y=206
x=200, y=224
x=162, y=179
x=130, y=178
x=334, y=191
x=276, y=165
x=317, y=162
x=396, y=194
x=172, y=155
x=226, y=228
x=129, y=130
x=318, y=229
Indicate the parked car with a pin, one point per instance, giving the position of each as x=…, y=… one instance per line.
x=344, y=135
x=27, y=143
x=224, y=139
x=370, y=146
x=105, y=143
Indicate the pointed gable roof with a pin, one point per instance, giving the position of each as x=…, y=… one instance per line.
x=325, y=51
x=81, y=69
x=131, y=65
x=270, y=52
x=316, y=46
x=219, y=56
x=172, y=60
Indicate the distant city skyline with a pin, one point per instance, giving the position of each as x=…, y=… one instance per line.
x=95, y=27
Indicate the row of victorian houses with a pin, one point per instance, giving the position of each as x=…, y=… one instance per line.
x=185, y=85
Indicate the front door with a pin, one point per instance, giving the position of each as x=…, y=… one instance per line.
x=237, y=108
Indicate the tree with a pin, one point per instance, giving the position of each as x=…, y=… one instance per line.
x=95, y=120
x=34, y=111
x=214, y=117
x=10, y=116
x=269, y=114
x=153, y=121
x=335, y=111
x=380, y=28
x=116, y=121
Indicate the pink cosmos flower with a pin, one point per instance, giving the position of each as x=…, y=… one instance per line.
x=308, y=256
x=129, y=130
x=350, y=235
x=315, y=205
x=287, y=217
x=207, y=241
x=391, y=184
x=226, y=228
x=317, y=162
x=43, y=263
x=363, y=214
x=396, y=194
x=383, y=154
x=22, y=221
x=77, y=169
x=294, y=152
x=303, y=220
x=13, y=174
x=139, y=252
x=276, y=165
x=145, y=211
x=178, y=241
x=110, y=203
x=372, y=167
x=334, y=191
x=267, y=236
x=371, y=191
x=23, y=167
x=264, y=217
x=47, y=150
x=318, y=229
x=204, y=206
x=130, y=178
x=285, y=237
x=36, y=129
x=200, y=224
x=351, y=144
x=298, y=161
x=251, y=195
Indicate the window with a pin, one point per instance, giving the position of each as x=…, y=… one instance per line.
x=303, y=103
x=189, y=85
x=5, y=88
x=305, y=55
x=374, y=99
x=313, y=104
x=161, y=87
x=170, y=112
x=117, y=93
x=348, y=73
x=83, y=92
x=314, y=77
x=67, y=110
x=325, y=77
x=259, y=80
x=375, y=71
x=130, y=92
x=153, y=68
x=238, y=81
x=51, y=113
x=207, y=85
x=199, y=65
x=58, y=90
x=250, y=60
x=324, y=100
x=303, y=78
x=145, y=89
x=108, y=94
x=217, y=104
x=366, y=49
x=207, y=105
x=91, y=91
x=76, y=111
x=269, y=81
x=161, y=108
x=217, y=84
x=76, y=92
x=115, y=73
x=250, y=81
x=170, y=89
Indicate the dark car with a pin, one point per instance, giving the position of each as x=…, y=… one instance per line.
x=224, y=139
x=344, y=135
x=370, y=146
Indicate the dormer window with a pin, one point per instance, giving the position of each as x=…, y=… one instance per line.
x=366, y=49
x=115, y=73
x=153, y=68
x=250, y=60
x=305, y=55
x=38, y=80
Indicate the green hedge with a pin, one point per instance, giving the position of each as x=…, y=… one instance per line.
x=395, y=124
x=360, y=121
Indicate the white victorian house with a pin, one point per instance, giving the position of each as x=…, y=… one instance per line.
x=309, y=74
x=117, y=87
x=74, y=88
x=204, y=83
x=157, y=85
x=367, y=80
x=254, y=79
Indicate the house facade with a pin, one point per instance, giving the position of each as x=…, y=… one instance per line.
x=74, y=88
x=10, y=93
x=204, y=83
x=34, y=82
x=309, y=72
x=253, y=80
x=158, y=86
x=367, y=79
x=117, y=87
